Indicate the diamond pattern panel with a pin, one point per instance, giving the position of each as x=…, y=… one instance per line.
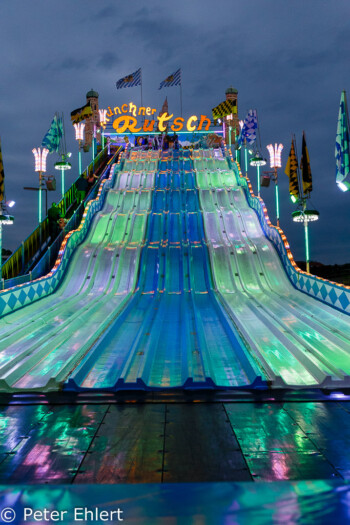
x=330, y=293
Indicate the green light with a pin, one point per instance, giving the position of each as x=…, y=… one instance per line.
x=293, y=199
x=63, y=165
x=6, y=219
x=277, y=203
x=40, y=202
x=305, y=215
x=62, y=180
x=307, y=245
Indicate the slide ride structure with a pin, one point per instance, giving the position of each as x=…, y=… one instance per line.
x=175, y=279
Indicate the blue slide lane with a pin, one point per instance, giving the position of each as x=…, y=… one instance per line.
x=173, y=332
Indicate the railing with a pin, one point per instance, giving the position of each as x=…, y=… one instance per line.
x=34, y=257
x=30, y=250
x=14, y=298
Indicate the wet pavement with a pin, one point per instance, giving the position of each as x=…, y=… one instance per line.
x=160, y=442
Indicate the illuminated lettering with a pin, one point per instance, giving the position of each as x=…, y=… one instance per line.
x=132, y=109
x=178, y=124
x=189, y=123
x=149, y=125
x=163, y=118
x=201, y=122
x=129, y=123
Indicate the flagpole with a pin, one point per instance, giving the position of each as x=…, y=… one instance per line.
x=245, y=157
x=303, y=201
x=180, y=92
x=141, y=86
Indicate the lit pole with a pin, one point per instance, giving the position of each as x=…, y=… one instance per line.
x=40, y=166
x=258, y=161
x=275, y=162
x=103, y=122
x=305, y=216
x=304, y=185
x=4, y=219
x=229, y=119
x=79, y=136
x=62, y=166
x=93, y=144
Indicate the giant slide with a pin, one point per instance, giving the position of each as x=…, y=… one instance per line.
x=175, y=286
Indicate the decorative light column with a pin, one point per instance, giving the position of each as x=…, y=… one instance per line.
x=305, y=216
x=103, y=122
x=40, y=166
x=63, y=165
x=241, y=124
x=93, y=144
x=275, y=162
x=229, y=119
x=4, y=219
x=79, y=136
x=258, y=161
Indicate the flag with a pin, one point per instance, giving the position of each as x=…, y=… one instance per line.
x=225, y=108
x=172, y=80
x=130, y=80
x=292, y=172
x=305, y=168
x=2, y=177
x=81, y=113
x=52, y=139
x=342, y=146
x=248, y=131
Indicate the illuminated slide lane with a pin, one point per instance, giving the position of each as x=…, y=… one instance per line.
x=297, y=340
x=174, y=332
x=41, y=343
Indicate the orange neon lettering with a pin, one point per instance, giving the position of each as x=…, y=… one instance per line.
x=201, y=122
x=126, y=108
x=149, y=125
x=178, y=124
x=129, y=124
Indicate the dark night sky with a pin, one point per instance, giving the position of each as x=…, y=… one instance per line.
x=288, y=59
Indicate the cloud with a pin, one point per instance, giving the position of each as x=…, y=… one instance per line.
x=287, y=59
x=107, y=60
